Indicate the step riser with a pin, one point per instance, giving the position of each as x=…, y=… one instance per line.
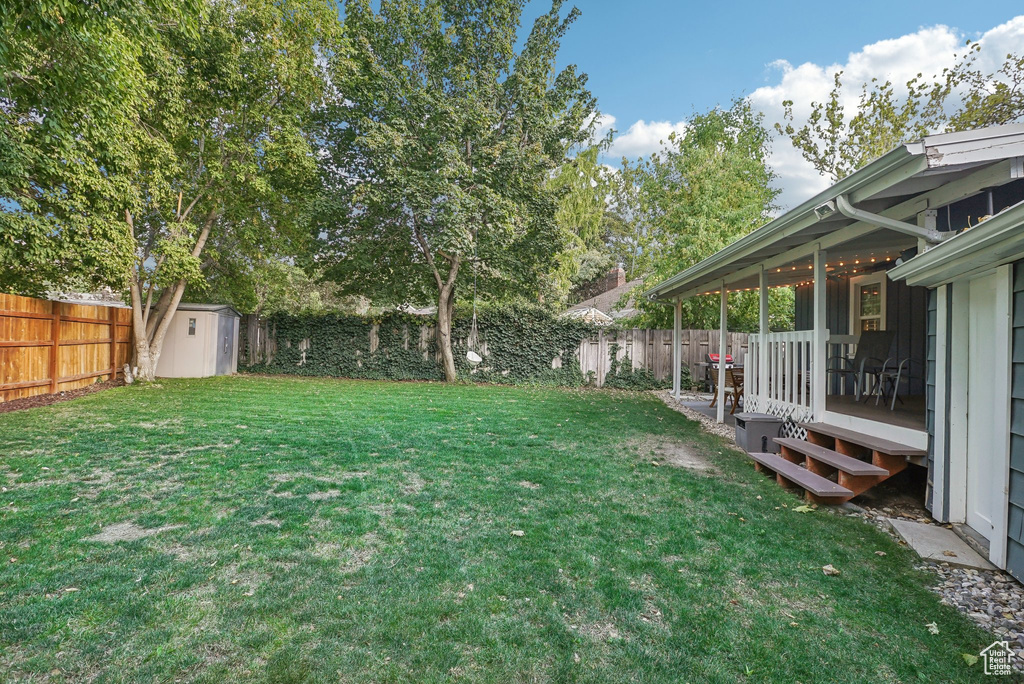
x=893, y=464
x=859, y=484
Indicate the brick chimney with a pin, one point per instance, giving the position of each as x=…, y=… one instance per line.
x=615, y=278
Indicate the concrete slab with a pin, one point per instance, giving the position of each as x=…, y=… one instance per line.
x=939, y=544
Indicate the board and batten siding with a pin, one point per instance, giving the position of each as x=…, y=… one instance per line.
x=905, y=311
x=1015, y=524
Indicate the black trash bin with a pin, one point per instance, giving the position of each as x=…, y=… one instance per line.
x=756, y=432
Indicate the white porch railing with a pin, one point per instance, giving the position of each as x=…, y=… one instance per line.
x=777, y=374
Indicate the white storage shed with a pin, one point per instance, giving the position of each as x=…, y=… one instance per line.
x=202, y=341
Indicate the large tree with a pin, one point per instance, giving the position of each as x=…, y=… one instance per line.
x=438, y=157
x=72, y=84
x=582, y=185
x=196, y=148
x=228, y=148
x=710, y=186
x=837, y=140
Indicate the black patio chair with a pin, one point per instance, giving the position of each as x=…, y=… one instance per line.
x=870, y=359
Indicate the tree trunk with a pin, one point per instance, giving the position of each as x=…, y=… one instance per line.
x=445, y=312
x=252, y=336
x=150, y=324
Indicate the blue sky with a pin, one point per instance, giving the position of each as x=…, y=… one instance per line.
x=652, y=63
x=661, y=60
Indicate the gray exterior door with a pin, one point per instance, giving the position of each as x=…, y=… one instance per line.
x=226, y=339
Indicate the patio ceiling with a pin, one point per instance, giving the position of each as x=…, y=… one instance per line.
x=929, y=174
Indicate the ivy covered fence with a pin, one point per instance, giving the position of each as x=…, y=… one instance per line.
x=519, y=343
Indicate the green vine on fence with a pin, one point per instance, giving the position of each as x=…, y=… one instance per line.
x=524, y=344
x=622, y=375
x=521, y=342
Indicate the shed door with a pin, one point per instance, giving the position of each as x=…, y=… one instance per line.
x=225, y=343
x=984, y=434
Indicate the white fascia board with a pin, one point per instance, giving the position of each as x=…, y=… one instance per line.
x=979, y=145
x=983, y=246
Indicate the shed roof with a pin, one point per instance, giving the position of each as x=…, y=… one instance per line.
x=219, y=308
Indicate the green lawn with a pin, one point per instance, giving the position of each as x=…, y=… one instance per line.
x=325, y=530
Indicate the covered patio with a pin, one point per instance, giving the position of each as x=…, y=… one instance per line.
x=835, y=251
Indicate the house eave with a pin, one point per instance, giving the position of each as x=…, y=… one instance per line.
x=933, y=154
x=783, y=226
x=997, y=241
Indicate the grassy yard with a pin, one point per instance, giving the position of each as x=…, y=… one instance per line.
x=323, y=530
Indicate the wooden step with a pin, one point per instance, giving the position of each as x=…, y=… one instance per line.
x=867, y=441
x=847, y=464
x=789, y=474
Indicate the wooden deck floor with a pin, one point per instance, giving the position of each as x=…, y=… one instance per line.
x=909, y=414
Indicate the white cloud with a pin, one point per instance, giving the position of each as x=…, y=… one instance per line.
x=927, y=51
x=643, y=138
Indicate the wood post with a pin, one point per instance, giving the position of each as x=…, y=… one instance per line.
x=723, y=326
x=677, y=347
x=819, y=351
x=762, y=347
x=113, y=344
x=55, y=347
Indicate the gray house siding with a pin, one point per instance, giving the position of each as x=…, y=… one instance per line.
x=1015, y=526
x=930, y=395
x=905, y=311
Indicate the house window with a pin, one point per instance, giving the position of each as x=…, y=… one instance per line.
x=192, y=327
x=867, y=303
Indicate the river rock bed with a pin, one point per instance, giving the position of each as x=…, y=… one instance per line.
x=992, y=598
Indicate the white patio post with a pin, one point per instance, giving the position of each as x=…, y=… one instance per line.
x=677, y=347
x=762, y=347
x=723, y=319
x=819, y=351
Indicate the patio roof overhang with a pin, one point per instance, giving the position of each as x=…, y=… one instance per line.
x=894, y=189
x=997, y=241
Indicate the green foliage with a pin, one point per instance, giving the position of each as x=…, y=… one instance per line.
x=521, y=339
x=582, y=186
x=227, y=163
x=74, y=78
x=440, y=153
x=275, y=286
x=622, y=375
x=837, y=142
x=339, y=346
x=709, y=188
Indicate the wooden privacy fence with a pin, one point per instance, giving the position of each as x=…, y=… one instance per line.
x=650, y=349
x=48, y=347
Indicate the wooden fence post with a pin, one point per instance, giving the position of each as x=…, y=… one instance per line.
x=55, y=347
x=113, y=344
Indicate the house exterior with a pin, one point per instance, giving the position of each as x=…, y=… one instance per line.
x=201, y=341
x=926, y=245
x=604, y=295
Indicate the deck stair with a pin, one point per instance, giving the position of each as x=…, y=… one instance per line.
x=834, y=464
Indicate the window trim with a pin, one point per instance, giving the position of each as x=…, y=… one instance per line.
x=855, y=317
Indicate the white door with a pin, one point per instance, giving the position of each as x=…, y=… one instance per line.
x=983, y=433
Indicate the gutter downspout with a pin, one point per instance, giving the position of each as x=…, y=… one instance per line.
x=932, y=237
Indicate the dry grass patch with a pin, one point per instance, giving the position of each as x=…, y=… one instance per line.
x=127, y=531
